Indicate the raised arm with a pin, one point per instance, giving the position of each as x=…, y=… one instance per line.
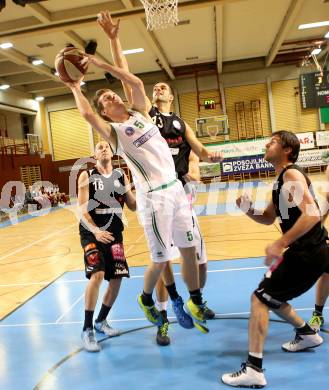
x=89, y=115
x=111, y=29
x=199, y=149
x=139, y=99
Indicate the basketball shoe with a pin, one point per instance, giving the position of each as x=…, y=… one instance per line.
x=249, y=376
x=303, y=342
x=151, y=313
x=162, y=334
x=89, y=341
x=198, y=316
x=105, y=328
x=316, y=321
x=183, y=318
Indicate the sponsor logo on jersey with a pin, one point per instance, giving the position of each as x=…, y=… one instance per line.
x=129, y=131
x=160, y=255
x=177, y=125
x=145, y=137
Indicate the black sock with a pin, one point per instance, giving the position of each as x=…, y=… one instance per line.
x=306, y=329
x=164, y=315
x=196, y=297
x=319, y=309
x=172, y=291
x=255, y=361
x=147, y=299
x=103, y=313
x=88, y=319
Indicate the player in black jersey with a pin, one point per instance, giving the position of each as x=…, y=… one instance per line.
x=296, y=260
x=102, y=193
x=322, y=287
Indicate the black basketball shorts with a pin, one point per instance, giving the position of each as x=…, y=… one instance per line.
x=109, y=258
x=295, y=274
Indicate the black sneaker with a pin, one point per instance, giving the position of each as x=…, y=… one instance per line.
x=162, y=335
x=208, y=313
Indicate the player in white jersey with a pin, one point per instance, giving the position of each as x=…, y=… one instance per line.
x=181, y=139
x=167, y=215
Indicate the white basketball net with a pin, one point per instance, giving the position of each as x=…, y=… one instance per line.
x=160, y=13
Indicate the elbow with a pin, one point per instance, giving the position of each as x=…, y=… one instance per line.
x=136, y=82
x=88, y=115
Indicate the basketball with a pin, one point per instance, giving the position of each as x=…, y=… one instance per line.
x=68, y=64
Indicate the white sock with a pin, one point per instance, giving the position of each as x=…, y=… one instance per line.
x=256, y=355
x=161, y=305
x=304, y=323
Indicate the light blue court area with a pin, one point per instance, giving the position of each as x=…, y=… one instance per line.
x=40, y=342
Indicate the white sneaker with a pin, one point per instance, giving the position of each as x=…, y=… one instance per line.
x=303, y=342
x=105, y=328
x=89, y=341
x=246, y=377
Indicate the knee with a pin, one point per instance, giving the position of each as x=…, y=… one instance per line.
x=164, y=266
x=97, y=277
x=255, y=301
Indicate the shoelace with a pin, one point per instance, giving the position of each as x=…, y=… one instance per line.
x=315, y=320
x=164, y=329
x=240, y=372
x=297, y=339
x=202, y=309
x=91, y=337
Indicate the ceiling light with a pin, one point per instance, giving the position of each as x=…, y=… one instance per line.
x=313, y=25
x=6, y=45
x=327, y=35
x=82, y=83
x=4, y=86
x=133, y=51
x=39, y=98
x=35, y=61
x=316, y=51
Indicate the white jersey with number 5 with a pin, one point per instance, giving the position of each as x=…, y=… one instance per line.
x=145, y=151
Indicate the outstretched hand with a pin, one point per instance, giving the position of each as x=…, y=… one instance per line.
x=110, y=28
x=91, y=59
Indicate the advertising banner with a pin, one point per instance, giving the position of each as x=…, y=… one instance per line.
x=246, y=164
x=306, y=140
x=312, y=158
x=322, y=138
x=238, y=149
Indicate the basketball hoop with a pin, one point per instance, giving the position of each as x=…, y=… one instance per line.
x=160, y=13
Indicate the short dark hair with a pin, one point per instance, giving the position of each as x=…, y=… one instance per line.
x=169, y=86
x=289, y=140
x=98, y=105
